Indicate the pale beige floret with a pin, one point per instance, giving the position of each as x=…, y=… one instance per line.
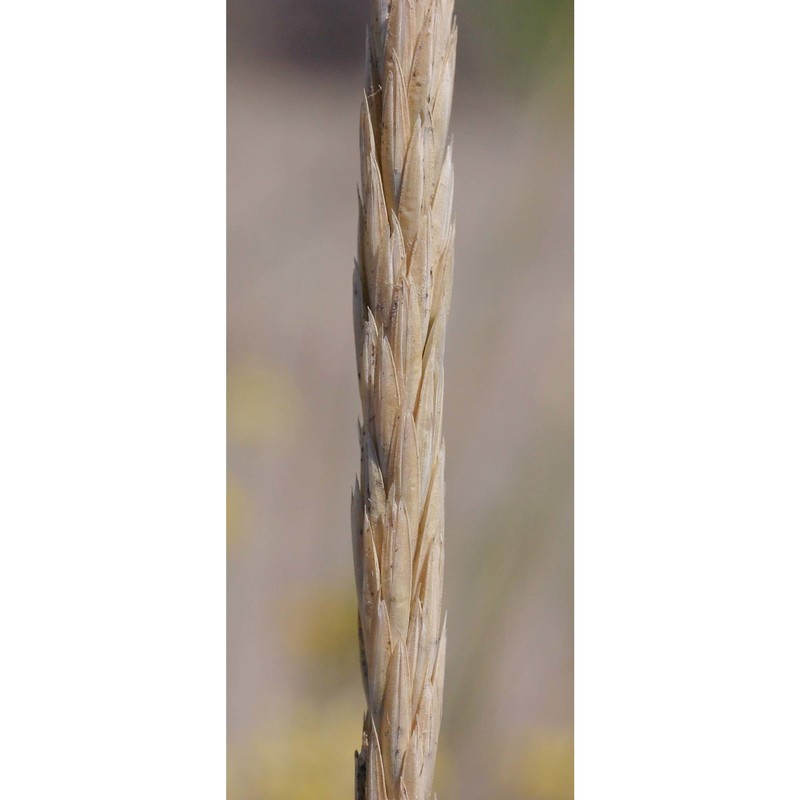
x=401, y=297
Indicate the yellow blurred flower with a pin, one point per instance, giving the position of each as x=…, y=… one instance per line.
x=321, y=632
x=540, y=766
x=262, y=404
x=238, y=508
x=307, y=758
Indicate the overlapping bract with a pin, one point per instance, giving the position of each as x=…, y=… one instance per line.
x=401, y=298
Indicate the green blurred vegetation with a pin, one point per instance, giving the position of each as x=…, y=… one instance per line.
x=507, y=43
x=523, y=41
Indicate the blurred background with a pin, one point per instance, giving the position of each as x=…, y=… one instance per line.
x=295, y=701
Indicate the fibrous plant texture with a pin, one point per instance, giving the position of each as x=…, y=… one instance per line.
x=402, y=282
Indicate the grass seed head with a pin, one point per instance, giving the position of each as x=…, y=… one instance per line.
x=401, y=296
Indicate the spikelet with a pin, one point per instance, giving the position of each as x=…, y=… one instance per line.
x=401, y=297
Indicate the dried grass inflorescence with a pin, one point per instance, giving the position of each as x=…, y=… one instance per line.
x=402, y=282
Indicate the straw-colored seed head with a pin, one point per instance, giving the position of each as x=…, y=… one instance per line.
x=401, y=297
